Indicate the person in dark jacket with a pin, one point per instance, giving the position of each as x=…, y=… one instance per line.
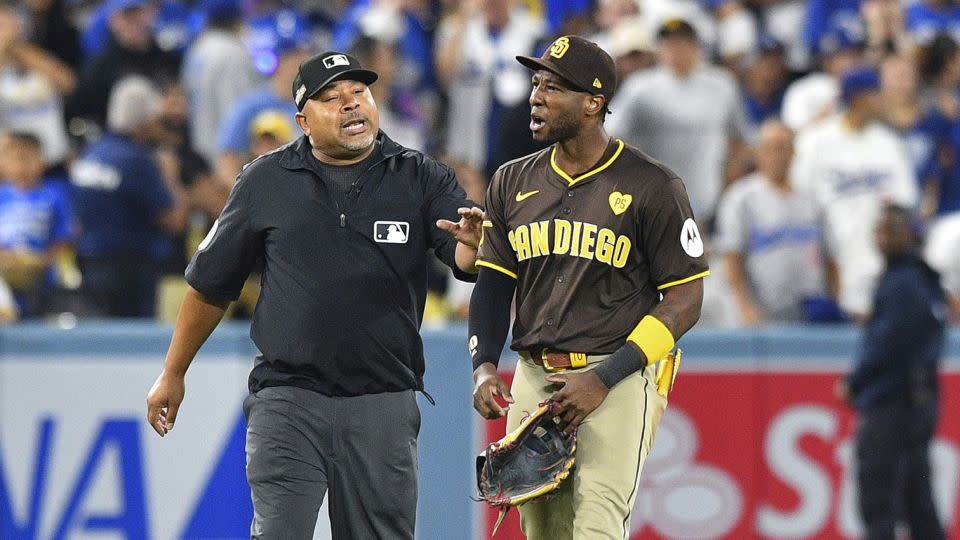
x=893, y=386
x=342, y=220
x=131, y=50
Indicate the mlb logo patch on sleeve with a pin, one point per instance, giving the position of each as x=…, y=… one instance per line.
x=391, y=232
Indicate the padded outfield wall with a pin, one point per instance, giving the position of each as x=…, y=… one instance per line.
x=752, y=446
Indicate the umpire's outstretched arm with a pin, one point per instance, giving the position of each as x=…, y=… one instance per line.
x=198, y=317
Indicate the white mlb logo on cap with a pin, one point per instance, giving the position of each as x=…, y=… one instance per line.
x=335, y=60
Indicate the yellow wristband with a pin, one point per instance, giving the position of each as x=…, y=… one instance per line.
x=653, y=338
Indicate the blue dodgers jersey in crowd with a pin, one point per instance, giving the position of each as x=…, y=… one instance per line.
x=924, y=141
x=757, y=112
x=235, y=132
x=119, y=196
x=35, y=218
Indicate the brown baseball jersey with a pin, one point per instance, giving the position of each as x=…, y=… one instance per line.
x=590, y=253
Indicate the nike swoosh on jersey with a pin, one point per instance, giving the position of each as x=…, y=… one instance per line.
x=522, y=196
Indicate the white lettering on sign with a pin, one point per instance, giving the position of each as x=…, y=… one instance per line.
x=798, y=471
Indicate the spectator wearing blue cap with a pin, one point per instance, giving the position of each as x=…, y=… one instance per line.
x=218, y=55
x=131, y=49
x=816, y=96
x=233, y=138
x=851, y=163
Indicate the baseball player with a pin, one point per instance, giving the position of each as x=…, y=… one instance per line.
x=600, y=244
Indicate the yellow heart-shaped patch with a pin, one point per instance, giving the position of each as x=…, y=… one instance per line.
x=619, y=202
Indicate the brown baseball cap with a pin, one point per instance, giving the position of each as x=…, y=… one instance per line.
x=582, y=63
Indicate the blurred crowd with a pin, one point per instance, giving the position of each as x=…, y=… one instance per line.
x=124, y=123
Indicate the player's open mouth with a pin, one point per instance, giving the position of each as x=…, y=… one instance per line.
x=353, y=127
x=536, y=123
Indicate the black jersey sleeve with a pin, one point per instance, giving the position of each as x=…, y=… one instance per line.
x=444, y=197
x=228, y=253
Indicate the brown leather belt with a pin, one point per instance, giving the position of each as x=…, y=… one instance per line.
x=558, y=359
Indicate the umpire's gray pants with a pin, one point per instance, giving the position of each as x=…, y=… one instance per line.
x=362, y=449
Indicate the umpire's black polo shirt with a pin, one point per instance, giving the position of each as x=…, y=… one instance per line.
x=343, y=290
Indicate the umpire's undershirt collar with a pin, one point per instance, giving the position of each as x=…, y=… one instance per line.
x=295, y=154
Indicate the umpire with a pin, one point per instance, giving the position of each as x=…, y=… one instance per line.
x=893, y=387
x=342, y=220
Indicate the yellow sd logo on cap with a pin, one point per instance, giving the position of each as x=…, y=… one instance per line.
x=559, y=47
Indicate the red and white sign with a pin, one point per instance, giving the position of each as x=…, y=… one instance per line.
x=752, y=454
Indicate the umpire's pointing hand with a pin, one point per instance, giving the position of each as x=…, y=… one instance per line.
x=163, y=401
x=469, y=229
x=581, y=394
x=488, y=384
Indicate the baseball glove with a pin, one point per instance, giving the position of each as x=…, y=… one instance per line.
x=528, y=463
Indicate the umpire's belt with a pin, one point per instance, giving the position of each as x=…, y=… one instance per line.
x=556, y=360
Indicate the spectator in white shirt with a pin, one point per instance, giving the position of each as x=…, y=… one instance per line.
x=686, y=113
x=851, y=164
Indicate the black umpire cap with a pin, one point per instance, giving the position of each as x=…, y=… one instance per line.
x=582, y=63
x=324, y=68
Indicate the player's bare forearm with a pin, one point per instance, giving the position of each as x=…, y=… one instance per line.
x=197, y=319
x=466, y=258
x=680, y=308
x=678, y=312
